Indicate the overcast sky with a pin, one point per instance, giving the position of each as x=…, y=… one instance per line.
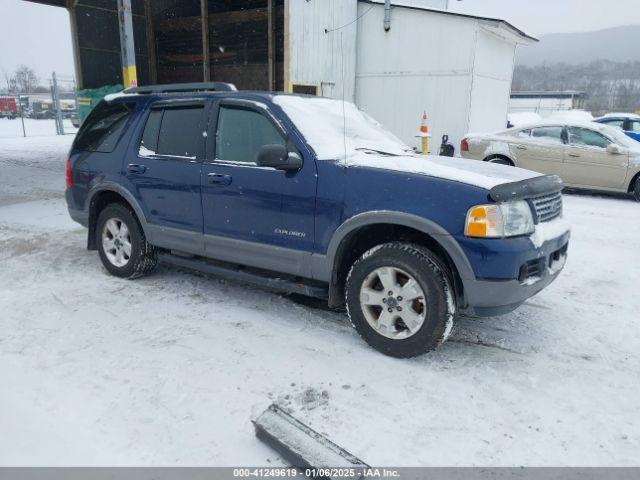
x=38, y=35
x=539, y=17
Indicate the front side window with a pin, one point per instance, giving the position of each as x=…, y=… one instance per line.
x=548, y=135
x=583, y=137
x=102, y=129
x=635, y=126
x=523, y=133
x=242, y=133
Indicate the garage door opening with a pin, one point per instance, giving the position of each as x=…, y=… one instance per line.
x=244, y=45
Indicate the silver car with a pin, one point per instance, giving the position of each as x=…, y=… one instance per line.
x=585, y=155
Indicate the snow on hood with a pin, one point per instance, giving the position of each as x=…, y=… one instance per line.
x=339, y=131
x=472, y=172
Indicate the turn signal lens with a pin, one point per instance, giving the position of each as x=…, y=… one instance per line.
x=484, y=221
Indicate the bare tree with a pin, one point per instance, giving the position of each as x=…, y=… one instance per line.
x=26, y=79
x=9, y=81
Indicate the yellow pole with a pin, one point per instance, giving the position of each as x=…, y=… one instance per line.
x=424, y=135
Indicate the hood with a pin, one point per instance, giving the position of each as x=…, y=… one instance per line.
x=472, y=172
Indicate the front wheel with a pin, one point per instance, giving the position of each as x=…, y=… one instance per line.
x=400, y=300
x=636, y=190
x=122, y=246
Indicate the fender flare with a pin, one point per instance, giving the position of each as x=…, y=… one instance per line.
x=428, y=227
x=109, y=186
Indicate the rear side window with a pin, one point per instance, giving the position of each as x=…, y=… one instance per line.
x=635, y=126
x=102, y=129
x=242, y=132
x=547, y=134
x=174, y=132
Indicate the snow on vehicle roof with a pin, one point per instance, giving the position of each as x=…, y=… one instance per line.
x=619, y=115
x=338, y=131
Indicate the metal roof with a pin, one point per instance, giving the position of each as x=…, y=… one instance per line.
x=491, y=20
x=549, y=94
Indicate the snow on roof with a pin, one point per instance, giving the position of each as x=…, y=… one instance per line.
x=497, y=22
x=620, y=115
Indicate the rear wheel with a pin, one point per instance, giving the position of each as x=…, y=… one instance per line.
x=122, y=246
x=399, y=299
x=500, y=161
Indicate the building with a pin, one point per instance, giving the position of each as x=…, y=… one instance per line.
x=546, y=103
x=393, y=62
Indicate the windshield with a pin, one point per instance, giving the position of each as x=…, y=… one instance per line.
x=332, y=127
x=619, y=136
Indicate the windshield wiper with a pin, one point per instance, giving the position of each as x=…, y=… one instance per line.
x=380, y=152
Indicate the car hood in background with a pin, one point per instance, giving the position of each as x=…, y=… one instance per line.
x=471, y=172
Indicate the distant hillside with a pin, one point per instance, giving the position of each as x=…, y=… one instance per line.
x=618, y=44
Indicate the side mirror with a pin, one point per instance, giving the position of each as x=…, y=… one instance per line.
x=613, y=149
x=278, y=157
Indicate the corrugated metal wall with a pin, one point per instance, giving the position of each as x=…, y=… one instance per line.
x=322, y=45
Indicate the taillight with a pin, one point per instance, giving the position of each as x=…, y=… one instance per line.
x=464, y=145
x=68, y=175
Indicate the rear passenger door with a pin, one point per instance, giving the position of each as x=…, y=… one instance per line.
x=253, y=215
x=541, y=151
x=165, y=173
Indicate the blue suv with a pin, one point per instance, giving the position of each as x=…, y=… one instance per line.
x=309, y=195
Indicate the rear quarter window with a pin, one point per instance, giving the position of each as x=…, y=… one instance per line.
x=102, y=129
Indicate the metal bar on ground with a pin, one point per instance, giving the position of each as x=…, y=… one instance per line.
x=302, y=446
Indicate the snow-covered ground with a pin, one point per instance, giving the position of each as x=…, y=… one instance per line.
x=32, y=128
x=170, y=369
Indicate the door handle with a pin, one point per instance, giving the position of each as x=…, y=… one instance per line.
x=574, y=155
x=521, y=147
x=135, y=168
x=218, y=179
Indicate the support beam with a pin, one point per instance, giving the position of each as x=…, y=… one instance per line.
x=127, y=49
x=206, y=52
x=151, y=42
x=74, y=42
x=271, y=46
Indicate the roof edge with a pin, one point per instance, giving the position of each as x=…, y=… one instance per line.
x=507, y=24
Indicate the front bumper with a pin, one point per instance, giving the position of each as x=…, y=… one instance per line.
x=497, y=297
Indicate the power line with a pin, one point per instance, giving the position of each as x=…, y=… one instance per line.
x=351, y=22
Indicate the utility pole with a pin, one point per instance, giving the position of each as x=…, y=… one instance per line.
x=56, y=104
x=127, y=49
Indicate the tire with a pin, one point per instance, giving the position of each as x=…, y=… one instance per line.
x=636, y=190
x=500, y=161
x=122, y=246
x=431, y=310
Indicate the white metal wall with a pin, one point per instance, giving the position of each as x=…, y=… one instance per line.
x=423, y=63
x=491, y=86
x=321, y=52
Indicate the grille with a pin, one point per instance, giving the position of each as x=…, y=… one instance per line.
x=547, y=207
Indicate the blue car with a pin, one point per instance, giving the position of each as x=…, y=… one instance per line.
x=311, y=196
x=627, y=122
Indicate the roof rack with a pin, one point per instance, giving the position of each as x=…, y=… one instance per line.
x=183, y=88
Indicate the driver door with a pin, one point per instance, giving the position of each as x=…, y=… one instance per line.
x=253, y=215
x=587, y=162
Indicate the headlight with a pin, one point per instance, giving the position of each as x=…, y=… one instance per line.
x=500, y=220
